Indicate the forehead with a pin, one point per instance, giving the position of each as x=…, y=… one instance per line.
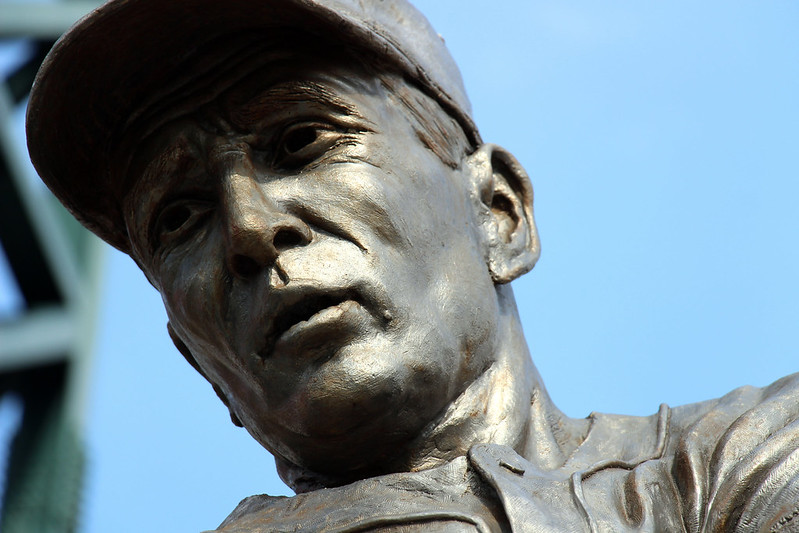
x=270, y=85
x=294, y=86
x=310, y=82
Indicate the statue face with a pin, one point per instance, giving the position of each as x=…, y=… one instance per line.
x=323, y=267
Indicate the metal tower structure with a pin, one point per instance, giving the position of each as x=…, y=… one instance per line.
x=45, y=346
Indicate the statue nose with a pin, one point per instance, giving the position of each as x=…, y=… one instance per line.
x=257, y=228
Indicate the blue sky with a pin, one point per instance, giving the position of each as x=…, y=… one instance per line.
x=662, y=139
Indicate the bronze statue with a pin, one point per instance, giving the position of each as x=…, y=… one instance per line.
x=303, y=183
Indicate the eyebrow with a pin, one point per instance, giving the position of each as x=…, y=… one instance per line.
x=175, y=159
x=282, y=96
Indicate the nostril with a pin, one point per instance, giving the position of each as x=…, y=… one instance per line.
x=287, y=238
x=244, y=266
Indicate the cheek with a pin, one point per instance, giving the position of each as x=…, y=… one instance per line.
x=462, y=296
x=193, y=288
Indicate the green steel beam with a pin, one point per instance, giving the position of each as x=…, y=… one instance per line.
x=45, y=354
x=47, y=228
x=46, y=461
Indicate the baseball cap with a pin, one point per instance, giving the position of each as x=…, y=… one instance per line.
x=126, y=53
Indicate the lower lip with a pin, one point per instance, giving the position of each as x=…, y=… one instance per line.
x=340, y=323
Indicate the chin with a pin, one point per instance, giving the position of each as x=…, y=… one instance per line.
x=368, y=450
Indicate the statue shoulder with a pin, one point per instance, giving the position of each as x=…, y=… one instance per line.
x=736, y=459
x=730, y=464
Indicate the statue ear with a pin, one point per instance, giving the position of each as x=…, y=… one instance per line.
x=184, y=350
x=506, y=213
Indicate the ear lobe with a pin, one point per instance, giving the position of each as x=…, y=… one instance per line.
x=184, y=350
x=506, y=195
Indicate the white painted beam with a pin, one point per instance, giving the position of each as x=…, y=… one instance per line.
x=41, y=20
x=39, y=337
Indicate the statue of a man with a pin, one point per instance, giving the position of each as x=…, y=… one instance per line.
x=303, y=183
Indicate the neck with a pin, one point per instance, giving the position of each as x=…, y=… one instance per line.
x=508, y=404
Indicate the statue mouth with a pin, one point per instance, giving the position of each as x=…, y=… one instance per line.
x=319, y=311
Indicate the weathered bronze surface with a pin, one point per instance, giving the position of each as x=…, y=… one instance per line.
x=303, y=183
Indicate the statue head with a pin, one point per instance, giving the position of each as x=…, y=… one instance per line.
x=303, y=184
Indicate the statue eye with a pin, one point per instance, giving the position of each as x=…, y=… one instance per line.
x=304, y=143
x=174, y=217
x=178, y=219
x=299, y=138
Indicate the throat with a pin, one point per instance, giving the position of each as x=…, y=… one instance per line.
x=495, y=408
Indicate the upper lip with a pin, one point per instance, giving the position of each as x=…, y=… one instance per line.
x=297, y=306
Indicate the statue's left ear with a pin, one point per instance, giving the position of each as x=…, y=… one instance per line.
x=505, y=212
